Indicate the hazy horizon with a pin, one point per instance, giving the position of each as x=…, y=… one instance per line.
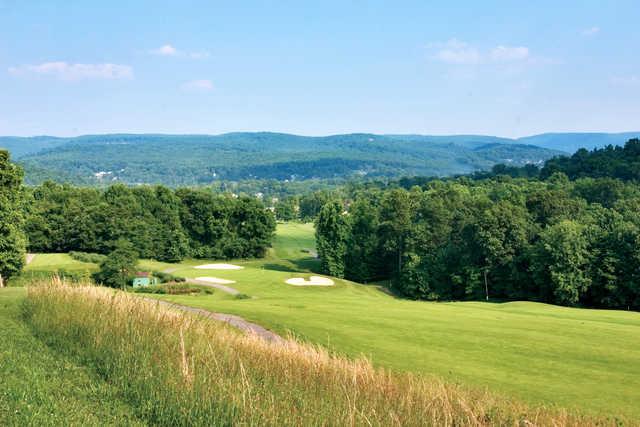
x=320, y=135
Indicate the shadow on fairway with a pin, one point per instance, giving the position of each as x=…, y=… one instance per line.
x=279, y=267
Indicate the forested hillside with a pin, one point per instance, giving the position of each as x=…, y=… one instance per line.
x=178, y=160
x=610, y=161
x=569, y=242
x=572, y=142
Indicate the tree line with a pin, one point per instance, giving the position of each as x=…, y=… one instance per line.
x=147, y=221
x=163, y=224
x=554, y=240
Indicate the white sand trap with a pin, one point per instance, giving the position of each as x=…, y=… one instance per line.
x=216, y=280
x=219, y=267
x=313, y=281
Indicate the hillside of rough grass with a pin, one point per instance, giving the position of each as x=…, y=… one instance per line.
x=40, y=387
x=178, y=369
x=540, y=353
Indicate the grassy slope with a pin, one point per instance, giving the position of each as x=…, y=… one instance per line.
x=41, y=387
x=587, y=359
x=44, y=264
x=49, y=262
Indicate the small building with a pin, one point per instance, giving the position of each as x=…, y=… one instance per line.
x=144, y=278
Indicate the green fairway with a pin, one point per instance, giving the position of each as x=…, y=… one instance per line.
x=587, y=359
x=41, y=387
x=52, y=262
x=576, y=358
x=42, y=266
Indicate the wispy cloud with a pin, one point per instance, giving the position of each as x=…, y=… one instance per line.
x=72, y=72
x=166, y=50
x=170, y=50
x=455, y=51
x=202, y=85
x=506, y=53
x=590, y=32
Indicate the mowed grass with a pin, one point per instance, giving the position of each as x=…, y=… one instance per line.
x=39, y=386
x=177, y=368
x=574, y=358
x=52, y=262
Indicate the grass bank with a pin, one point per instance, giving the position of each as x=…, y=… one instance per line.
x=540, y=353
x=180, y=369
x=41, y=387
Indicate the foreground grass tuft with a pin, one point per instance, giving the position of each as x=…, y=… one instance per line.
x=39, y=387
x=179, y=369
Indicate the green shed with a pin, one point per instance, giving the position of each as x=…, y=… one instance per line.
x=143, y=278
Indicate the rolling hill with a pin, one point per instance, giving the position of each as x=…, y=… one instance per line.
x=201, y=159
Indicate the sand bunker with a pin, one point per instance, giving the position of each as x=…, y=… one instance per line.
x=313, y=281
x=219, y=267
x=216, y=280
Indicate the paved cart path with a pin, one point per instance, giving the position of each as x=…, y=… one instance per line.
x=233, y=320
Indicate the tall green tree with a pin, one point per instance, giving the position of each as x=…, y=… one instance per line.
x=499, y=235
x=561, y=262
x=362, y=261
x=12, y=237
x=332, y=231
x=396, y=224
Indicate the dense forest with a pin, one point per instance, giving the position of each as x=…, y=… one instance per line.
x=161, y=223
x=550, y=239
x=179, y=160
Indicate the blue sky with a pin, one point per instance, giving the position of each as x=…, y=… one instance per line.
x=502, y=68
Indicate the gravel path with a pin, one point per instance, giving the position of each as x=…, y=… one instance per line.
x=224, y=288
x=233, y=320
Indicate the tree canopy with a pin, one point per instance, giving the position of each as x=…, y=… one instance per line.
x=12, y=237
x=161, y=223
x=558, y=241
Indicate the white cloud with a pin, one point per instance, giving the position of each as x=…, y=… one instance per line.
x=72, y=72
x=198, y=85
x=590, y=32
x=458, y=52
x=170, y=50
x=507, y=53
x=166, y=50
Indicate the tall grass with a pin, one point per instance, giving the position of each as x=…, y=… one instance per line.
x=180, y=369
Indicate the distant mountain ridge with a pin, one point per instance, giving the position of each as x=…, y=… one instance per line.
x=201, y=159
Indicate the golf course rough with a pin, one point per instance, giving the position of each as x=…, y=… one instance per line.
x=539, y=353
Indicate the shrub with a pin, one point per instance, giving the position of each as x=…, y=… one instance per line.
x=87, y=257
x=167, y=277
